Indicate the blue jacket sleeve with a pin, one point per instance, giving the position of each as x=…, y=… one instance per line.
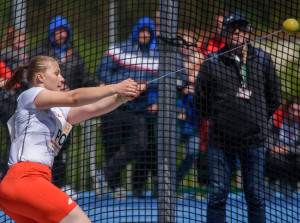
x=106, y=69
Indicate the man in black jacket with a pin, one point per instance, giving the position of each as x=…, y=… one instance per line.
x=237, y=92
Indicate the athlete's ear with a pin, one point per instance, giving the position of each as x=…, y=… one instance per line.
x=40, y=77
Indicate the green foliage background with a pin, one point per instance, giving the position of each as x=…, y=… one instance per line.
x=89, y=18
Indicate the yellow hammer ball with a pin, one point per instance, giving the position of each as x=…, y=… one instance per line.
x=291, y=26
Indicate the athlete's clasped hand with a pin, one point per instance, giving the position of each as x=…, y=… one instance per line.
x=127, y=88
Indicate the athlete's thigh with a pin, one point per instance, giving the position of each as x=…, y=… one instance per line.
x=17, y=217
x=37, y=198
x=48, y=201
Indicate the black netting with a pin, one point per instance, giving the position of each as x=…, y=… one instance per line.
x=212, y=135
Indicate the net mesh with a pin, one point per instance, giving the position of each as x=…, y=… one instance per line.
x=213, y=137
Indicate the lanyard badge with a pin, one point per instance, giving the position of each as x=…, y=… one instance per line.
x=243, y=92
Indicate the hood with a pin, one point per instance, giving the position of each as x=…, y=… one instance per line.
x=141, y=23
x=59, y=21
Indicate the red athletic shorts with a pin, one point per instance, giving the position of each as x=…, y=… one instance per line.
x=27, y=194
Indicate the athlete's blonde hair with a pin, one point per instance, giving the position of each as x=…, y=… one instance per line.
x=38, y=64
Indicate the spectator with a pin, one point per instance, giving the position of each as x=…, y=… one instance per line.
x=187, y=119
x=157, y=22
x=12, y=55
x=231, y=94
x=5, y=72
x=283, y=144
x=13, y=49
x=136, y=58
x=208, y=45
x=215, y=41
x=134, y=123
x=59, y=45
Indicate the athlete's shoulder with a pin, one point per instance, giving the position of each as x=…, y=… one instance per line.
x=32, y=90
x=28, y=96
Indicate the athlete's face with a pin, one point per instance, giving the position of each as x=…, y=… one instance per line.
x=53, y=79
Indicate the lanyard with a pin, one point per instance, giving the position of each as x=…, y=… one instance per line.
x=243, y=69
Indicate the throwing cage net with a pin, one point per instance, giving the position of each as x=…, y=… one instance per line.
x=214, y=135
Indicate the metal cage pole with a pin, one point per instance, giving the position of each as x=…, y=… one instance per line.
x=167, y=114
x=112, y=22
x=19, y=10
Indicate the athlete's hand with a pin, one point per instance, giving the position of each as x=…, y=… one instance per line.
x=142, y=87
x=126, y=88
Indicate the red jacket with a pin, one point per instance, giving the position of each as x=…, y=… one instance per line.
x=5, y=72
x=211, y=45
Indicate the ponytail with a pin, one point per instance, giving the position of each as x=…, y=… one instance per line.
x=36, y=65
x=16, y=78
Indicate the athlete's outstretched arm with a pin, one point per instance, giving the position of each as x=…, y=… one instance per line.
x=82, y=113
x=48, y=99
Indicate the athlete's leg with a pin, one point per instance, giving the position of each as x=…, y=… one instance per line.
x=76, y=215
x=17, y=217
x=27, y=191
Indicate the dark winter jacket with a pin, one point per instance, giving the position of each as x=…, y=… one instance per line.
x=234, y=121
x=71, y=63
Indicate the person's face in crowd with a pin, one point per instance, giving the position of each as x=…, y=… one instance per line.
x=19, y=42
x=294, y=112
x=52, y=78
x=60, y=36
x=185, y=50
x=237, y=34
x=144, y=37
x=219, y=25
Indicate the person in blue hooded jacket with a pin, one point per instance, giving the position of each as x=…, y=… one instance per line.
x=136, y=58
x=59, y=45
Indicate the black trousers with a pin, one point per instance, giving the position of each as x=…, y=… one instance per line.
x=127, y=137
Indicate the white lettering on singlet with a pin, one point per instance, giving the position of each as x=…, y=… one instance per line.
x=62, y=130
